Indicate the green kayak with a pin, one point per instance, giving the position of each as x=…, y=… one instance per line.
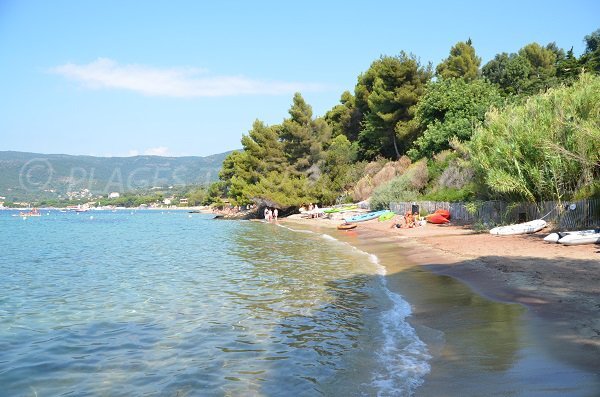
x=341, y=209
x=386, y=216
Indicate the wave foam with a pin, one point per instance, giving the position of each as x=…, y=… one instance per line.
x=403, y=356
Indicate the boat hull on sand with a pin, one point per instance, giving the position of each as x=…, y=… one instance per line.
x=365, y=217
x=555, y=237
x=437, y=219
x=580, y=239
x=387, y=216
x=444, y=213
x=341, y=209
x=519, y=228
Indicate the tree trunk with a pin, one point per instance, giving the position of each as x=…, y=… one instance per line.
x=395, y=145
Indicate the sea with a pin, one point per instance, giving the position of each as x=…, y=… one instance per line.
x=170, y=303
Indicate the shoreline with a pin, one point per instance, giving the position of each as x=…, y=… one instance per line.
x=557, y=286
x=201, y=209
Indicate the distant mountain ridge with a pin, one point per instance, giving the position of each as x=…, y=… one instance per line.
x=25, y=176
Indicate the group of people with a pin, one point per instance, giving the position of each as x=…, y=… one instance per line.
x=409, y=220
x=271, y=214
x=311, y=211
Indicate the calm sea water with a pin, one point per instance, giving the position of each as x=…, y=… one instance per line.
x=174, y=304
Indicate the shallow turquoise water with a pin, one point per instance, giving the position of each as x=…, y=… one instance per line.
x=151, y=303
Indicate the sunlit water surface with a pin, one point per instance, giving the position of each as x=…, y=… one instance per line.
x=170, y=303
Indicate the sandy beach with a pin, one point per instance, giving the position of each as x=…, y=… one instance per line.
x=544, y=299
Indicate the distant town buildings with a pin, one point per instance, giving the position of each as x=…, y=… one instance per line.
x=113, y=195
x=80, y=194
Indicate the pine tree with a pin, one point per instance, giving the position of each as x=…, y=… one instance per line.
x=302, y=137
x=462, y=63
x=590, y=59
x=387, y=95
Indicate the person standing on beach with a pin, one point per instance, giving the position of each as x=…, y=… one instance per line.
x=275, y=214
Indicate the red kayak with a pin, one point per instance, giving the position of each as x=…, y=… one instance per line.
x=437, y=219
x=444, y=213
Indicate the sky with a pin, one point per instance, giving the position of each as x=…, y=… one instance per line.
x=188, y=78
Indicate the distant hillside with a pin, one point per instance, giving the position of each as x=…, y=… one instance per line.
x=26, y=176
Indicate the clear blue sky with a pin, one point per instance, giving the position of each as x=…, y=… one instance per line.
x=178, y=78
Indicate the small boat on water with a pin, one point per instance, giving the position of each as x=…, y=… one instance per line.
x=555, y=237
x=346, y=226
x=519, y=228
x=33, y=212
x=365, y=217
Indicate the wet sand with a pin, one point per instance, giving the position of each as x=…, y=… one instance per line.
x=501, y=315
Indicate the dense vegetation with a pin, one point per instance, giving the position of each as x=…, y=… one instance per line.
x=524, y=126
x=546, y=148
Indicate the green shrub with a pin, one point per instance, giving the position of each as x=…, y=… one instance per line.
x=545, y=149
x=450, y=194
x=383, y=174
x=406, y=187
x=589, y=191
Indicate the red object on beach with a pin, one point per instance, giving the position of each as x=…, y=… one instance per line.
x=444, y=213
x=436, y=218
x=346, y=226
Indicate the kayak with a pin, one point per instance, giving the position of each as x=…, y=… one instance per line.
x=341, y=209
x=444, y=213
x=579, y=239
x=437, y=219
x=365, y=217
x=555, y=237
x=387, y=216
x=346, y=226
x=519, y=228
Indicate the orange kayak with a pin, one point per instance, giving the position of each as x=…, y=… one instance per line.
x=346, y=226
x=437, y=219
x=444, y=213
